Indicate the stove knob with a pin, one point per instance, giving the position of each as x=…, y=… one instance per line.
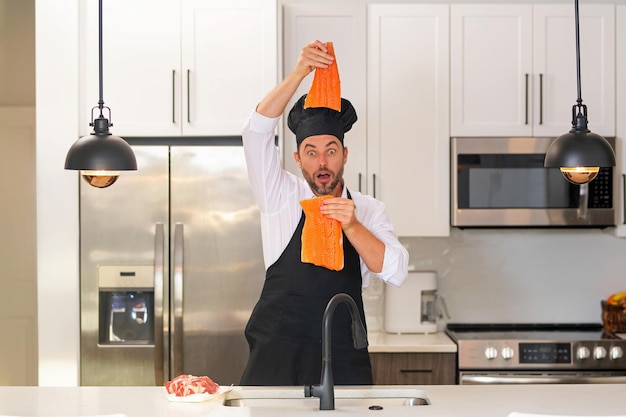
x=507, y=352
x=599, y=352
x=583, y=352
x=491, y=353
x=615, y=353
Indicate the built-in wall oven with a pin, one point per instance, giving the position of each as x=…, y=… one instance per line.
x=538, y=354
x=501, y=182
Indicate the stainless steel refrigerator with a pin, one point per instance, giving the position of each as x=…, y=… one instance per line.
x=171, y=267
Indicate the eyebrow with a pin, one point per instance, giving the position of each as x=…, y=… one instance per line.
x=332, y=142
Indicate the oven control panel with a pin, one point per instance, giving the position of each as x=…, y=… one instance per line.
x=529, y=354
x=545, y=353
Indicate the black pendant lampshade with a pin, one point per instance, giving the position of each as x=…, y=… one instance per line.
x=579, y=153
x=101, y=156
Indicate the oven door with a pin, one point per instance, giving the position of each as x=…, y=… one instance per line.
x=532, y=377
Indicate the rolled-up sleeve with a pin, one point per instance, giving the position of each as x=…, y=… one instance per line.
x=262, y=158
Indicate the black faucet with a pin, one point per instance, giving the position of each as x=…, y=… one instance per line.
x=326, y=389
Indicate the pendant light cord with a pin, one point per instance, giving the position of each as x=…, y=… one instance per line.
x=576, y=18
x=101, y=101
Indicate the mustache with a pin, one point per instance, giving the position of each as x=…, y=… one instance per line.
x=324, y=171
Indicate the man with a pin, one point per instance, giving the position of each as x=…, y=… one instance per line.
x=284, y=330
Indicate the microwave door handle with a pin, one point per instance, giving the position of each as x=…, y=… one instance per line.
x=623, y=198
x=159, y=329
x=583, y=201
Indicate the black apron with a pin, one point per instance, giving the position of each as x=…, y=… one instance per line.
x=285, y=329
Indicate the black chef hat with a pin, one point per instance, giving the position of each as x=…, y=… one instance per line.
x=320, y=120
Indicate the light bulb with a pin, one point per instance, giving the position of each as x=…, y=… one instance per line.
x=580, y=175
x=100, y=178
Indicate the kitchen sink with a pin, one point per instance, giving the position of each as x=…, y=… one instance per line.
x=293, y=397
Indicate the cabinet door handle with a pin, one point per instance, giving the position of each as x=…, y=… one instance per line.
x=174, y=96
x=526, y=97
x=188, y=99
x=540, y=99
x=374, y=185
x=624, y=199
x=360, y=182
x=416, y=371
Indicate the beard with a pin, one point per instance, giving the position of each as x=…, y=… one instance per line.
x=324, y=189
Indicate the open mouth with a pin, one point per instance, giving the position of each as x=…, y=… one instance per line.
x=324, y=177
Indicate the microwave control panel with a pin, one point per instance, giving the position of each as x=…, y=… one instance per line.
x=600, y=189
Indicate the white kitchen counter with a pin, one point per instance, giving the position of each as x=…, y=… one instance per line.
x=446, y=401
x=380, y=342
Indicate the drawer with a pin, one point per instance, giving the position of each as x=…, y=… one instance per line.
x=414, y=368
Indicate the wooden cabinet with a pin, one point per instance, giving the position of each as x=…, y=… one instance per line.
x=180, y=67
x=513, y=69
x=398, y=151
x=414, y=368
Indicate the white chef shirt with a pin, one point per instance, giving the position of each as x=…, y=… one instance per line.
x=279, y=192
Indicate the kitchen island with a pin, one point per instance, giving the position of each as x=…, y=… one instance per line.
x=445, y=401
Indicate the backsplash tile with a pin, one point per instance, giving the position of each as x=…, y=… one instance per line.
x=517, y=275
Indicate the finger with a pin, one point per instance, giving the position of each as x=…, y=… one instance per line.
x=337, y=205
x=319, y=45
x=317, y=55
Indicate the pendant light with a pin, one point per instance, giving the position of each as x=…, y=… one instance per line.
x=579, y=153
x=101, y=156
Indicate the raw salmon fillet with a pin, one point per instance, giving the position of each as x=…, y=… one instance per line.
x=325, y=90
x=322, y=240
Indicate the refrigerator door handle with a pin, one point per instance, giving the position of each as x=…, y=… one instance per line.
x=159, y=329
x=177, y=302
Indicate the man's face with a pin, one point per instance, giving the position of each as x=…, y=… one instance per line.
x=321, y=159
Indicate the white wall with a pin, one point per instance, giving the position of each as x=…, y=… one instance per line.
x=18, y=275
x=17, y=55
x=57, y=191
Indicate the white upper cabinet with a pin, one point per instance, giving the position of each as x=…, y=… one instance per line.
x=513, y=69
x=394, y=68
x=491, y=63
x=345, y=26
x=180, y=67
x=554, y=61
x=408, y=115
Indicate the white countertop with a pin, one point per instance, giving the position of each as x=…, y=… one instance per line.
x=380, y=342
x=446, y=401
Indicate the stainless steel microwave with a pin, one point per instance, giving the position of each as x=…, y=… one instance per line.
x=501, y=182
